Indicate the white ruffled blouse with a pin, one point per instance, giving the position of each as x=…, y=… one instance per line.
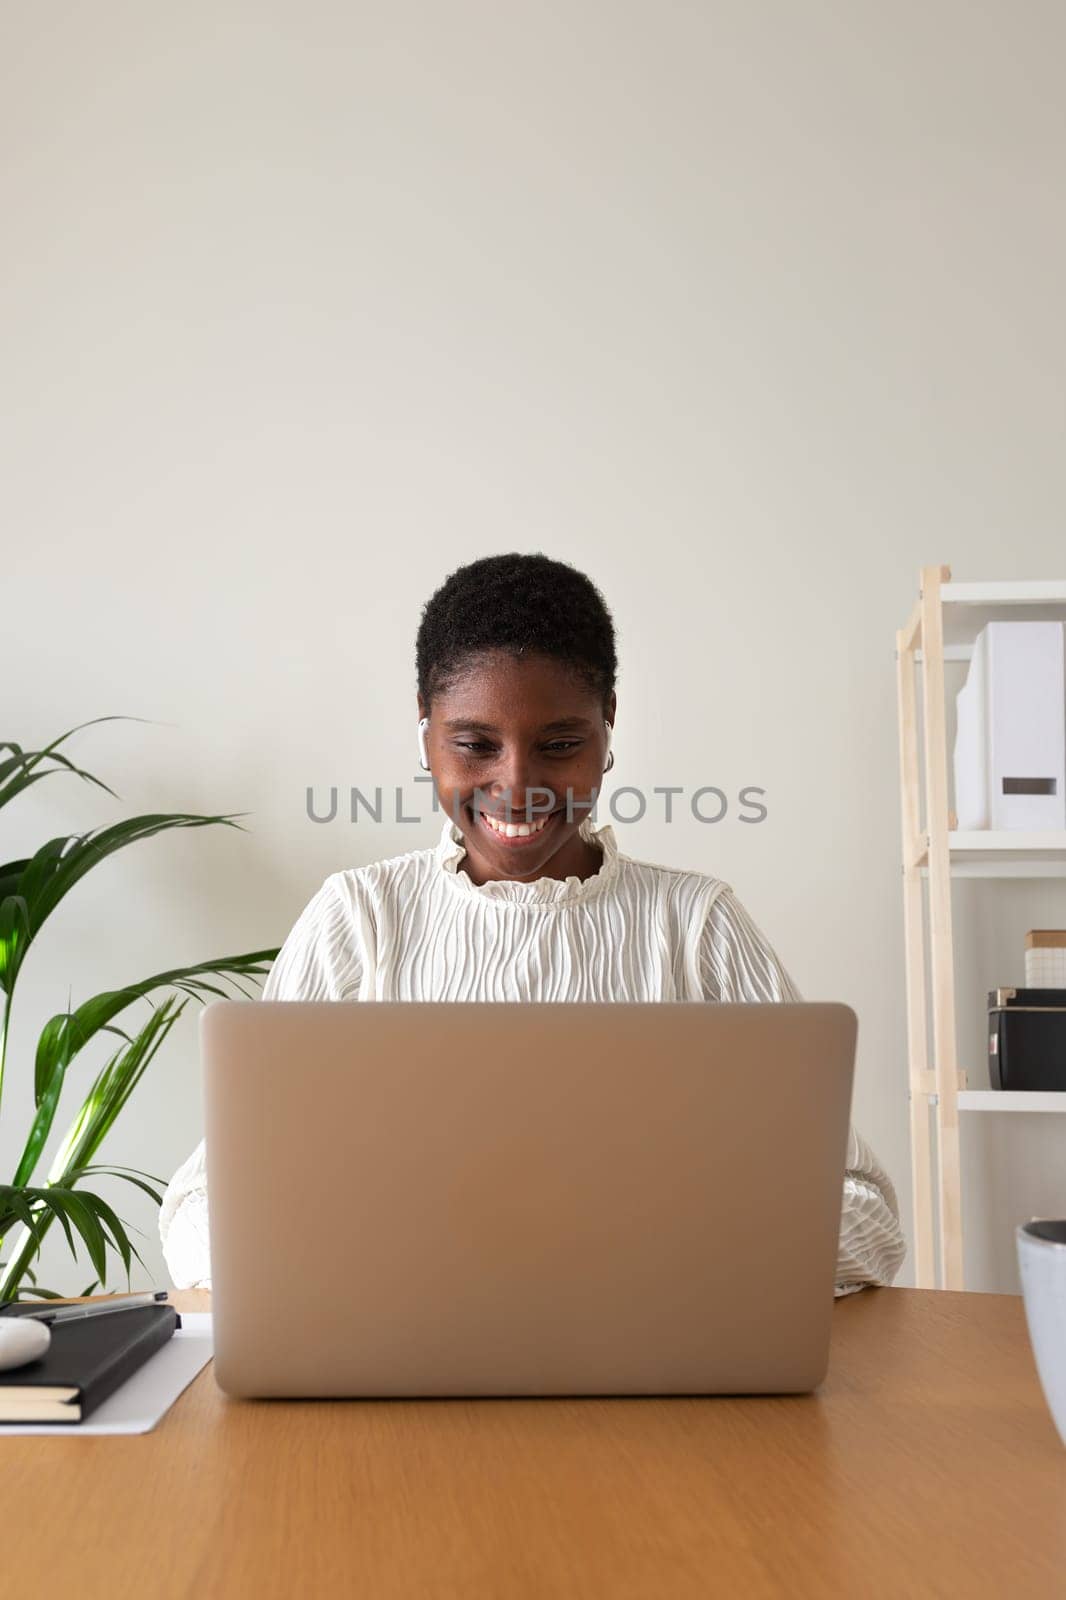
x=415, y=927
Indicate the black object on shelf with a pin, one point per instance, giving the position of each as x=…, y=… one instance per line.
x=1027, y=1039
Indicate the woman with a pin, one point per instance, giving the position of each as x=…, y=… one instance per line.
x=516, y=671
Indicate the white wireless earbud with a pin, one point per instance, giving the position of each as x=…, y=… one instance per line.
x=610, y=752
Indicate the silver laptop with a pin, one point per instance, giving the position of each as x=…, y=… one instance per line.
x=469, y=1198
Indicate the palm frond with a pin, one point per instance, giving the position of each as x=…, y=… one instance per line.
x=68, y=1031
x=111, y=1089
x=31, y=888
x=152, y=1186
x=109, y=1093
x=78, y=1212
x=65, y=1034
x=19, y=769
x=63, y=861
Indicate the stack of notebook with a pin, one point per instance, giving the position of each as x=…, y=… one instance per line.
x=88, y=1359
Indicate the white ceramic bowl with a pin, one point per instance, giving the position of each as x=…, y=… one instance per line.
x=1042, y=1266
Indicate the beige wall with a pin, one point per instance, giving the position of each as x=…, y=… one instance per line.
x=746, y=309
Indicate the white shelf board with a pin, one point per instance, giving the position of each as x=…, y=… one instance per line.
x=967, y=607
x=1020, y=853
x=1010, y=1100
x=1004, y=592
x=1008, y=841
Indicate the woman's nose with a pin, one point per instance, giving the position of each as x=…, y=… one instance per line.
x=516, y=779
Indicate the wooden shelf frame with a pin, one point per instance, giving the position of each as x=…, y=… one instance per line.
x=932, y=853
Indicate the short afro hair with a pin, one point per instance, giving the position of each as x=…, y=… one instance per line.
x=521, y=604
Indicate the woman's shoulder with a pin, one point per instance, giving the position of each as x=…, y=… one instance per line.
x=684, y=883
x=360, y=895
x=405, y=870
x=708, y=900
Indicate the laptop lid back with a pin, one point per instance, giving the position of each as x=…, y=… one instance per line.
x=470, y=1198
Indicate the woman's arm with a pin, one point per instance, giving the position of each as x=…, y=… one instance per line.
x=320, y=960
x=737, y=963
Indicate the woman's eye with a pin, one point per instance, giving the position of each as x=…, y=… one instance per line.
x=557, y=746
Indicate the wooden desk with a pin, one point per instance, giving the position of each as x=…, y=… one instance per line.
x=926, y=1465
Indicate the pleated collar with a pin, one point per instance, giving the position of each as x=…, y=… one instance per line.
x=545, y=892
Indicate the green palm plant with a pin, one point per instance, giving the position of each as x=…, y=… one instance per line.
x=30, y=890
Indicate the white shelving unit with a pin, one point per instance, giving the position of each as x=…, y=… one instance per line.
x=943, y=625
x=1005, y=1100
x=1001, y=855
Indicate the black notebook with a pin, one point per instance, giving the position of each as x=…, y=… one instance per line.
x=87, y=1360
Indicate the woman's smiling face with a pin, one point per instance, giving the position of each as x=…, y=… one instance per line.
x=522, y=740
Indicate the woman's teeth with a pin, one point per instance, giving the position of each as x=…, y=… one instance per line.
x=514, y=830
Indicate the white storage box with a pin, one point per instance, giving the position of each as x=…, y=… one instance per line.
x=1045, y=958
x=1010, y=741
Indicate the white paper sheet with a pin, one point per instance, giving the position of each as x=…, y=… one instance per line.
x=142, y=1400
